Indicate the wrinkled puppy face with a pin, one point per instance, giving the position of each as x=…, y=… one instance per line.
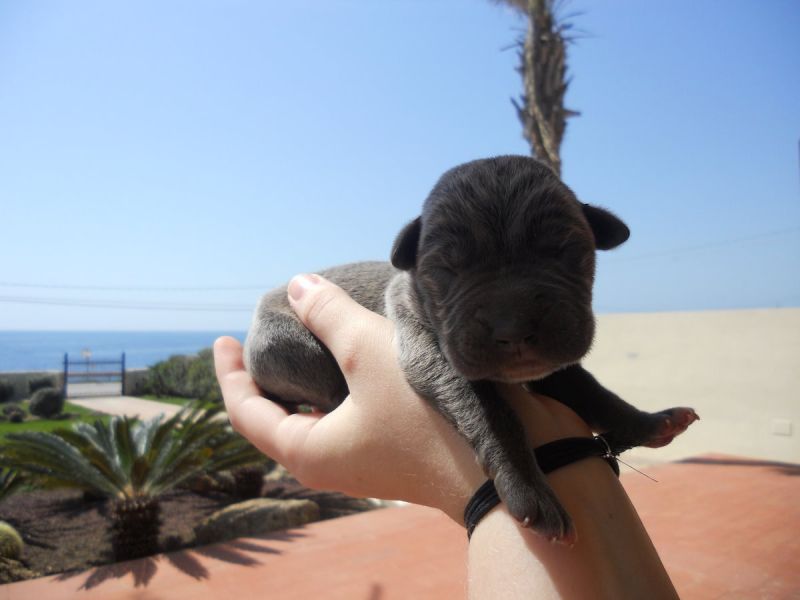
x=502, y=260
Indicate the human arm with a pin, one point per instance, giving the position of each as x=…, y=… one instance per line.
x=613, y=556
x=384, y=441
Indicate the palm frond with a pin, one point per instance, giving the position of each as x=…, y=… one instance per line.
x=127, y=459
x=10, y=482
x=53, y=458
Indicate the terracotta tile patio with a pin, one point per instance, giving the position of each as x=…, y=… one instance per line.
x=725, y=527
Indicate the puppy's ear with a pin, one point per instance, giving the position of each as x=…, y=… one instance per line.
x=404, y=251
x=609, y=231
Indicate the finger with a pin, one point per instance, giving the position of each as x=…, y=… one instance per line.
x=265, y=424
x=227, y=355
x=352, y=333
x=229, y=366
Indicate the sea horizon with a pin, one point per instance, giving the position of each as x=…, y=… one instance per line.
x=44, y=350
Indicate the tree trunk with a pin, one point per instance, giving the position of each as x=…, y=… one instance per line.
x=248, y=482
x=543, y=70
x=135, y=526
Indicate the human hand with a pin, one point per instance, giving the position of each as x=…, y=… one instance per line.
x=383, y=441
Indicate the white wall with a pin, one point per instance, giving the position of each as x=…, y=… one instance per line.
x=739, y=369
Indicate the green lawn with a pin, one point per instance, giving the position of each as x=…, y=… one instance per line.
x=168, y=399
x=36, y=424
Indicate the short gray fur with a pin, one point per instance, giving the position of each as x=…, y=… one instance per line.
x=493, y=282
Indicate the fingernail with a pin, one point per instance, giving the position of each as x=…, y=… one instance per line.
x=300, y=283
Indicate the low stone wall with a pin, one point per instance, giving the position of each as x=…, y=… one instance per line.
x=134, y=380
x=20, y=381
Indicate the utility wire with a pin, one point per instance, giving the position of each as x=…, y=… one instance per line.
x=126, y=305
x=142, y=288
x=262, y=287
x=709, y=245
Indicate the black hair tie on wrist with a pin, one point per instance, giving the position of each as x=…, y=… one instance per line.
x=550, y=457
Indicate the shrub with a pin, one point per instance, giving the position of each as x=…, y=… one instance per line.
x=10, y=542
x=38, y=383
x=202, y=378
x=46, y=402
x=168, y=377
x=6, y=390
x=14, y=413
x=185, y=376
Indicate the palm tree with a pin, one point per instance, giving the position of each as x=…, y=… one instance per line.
x=543, y=67
x=132, y=464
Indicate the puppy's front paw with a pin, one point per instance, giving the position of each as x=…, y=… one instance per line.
x=537, y=507
x=671, y=422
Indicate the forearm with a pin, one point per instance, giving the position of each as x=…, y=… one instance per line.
x=612, y=558
x=385, y=441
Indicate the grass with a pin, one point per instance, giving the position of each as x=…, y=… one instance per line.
x=36, y=424
x=78, y=413
x=168, y=399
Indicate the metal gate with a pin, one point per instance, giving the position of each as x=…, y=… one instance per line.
x=88, y=377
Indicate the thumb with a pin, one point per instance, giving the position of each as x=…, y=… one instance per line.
x=349, y=330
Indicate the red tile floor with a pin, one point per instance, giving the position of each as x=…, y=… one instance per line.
x=725, y=527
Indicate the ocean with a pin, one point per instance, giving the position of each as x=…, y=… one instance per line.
x=44, y=350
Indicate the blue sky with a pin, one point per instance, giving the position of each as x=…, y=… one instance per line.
x=148, y=146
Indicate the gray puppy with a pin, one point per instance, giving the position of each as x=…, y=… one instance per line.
x=492, y=283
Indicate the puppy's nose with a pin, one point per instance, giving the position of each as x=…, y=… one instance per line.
x=511, y=342
x=507, y=330
x=509, y=334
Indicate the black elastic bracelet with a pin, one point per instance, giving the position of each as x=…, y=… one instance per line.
x=482, y=501
x=562, y=452
x=550, y=457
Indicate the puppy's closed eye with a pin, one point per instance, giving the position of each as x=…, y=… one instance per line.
x=551, y=252
x=446, y=271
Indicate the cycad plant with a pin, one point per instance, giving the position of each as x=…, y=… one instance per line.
x=10, y=482
x=132, y=464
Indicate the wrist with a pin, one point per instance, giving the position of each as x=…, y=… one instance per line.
x=453, y=499
x=442, y=470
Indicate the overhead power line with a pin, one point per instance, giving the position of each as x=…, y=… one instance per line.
x=707, y=246
x=131, y=288
x=263, y=287
x=88, y=303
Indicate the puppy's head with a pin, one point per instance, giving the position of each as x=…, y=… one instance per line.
x=502, y=261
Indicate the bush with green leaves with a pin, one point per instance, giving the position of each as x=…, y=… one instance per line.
x=38, y=383
x=46, y=402
x=14, y=413
x=132, y=464
x=202, y=377
x=11, y=545
x=168, y=377
x=185, y=376
x=6, y=390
